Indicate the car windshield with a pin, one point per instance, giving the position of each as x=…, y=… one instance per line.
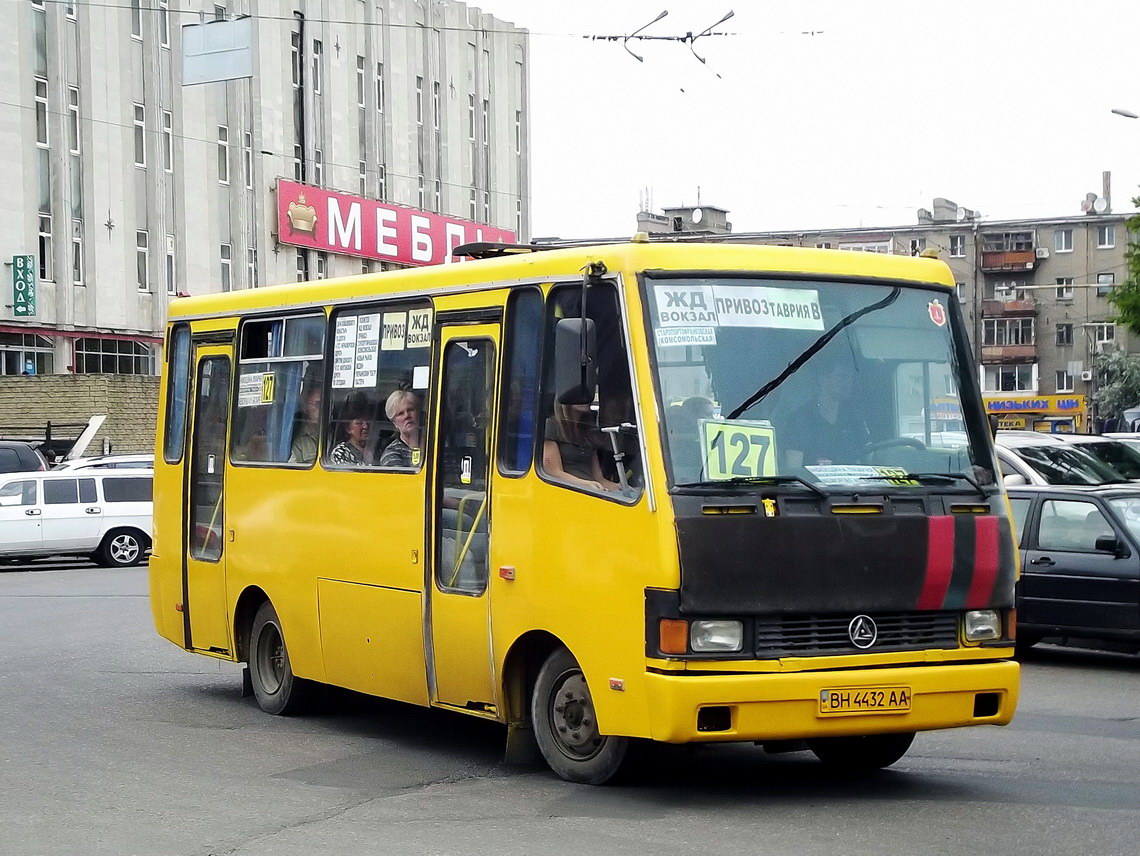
x=1121, y=457
x=836, y=383
x=1069, y=464
x=1127, y=510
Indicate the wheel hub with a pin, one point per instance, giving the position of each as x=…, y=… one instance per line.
x=573, y=722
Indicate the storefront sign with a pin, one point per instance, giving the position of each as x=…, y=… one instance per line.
x=1056, y=404
x=341, y=223
x=23, y=286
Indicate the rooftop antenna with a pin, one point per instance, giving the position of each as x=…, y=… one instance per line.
x=707, y=31
x=625, y=41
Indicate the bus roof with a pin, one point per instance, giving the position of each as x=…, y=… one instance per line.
x=567, y=262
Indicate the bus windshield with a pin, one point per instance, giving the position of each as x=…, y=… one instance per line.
x=830, y=383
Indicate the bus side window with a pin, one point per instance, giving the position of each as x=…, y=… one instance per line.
x=521, y=360
x=577, y=451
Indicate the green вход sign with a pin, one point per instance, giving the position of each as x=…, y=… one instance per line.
x=23, y=286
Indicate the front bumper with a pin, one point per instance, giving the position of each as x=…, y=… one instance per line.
x=786, y=706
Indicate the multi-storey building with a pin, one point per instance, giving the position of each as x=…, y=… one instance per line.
x=128, y=187
x=1034, y=292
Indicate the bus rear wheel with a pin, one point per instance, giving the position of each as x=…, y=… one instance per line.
x=566, y=725
x=861, y=754
x=276, y=688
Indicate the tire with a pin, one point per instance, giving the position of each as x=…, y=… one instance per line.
x=277, y=690
x=122, y=548
x=565, y=724
x=1024, y=642
x=861, y=754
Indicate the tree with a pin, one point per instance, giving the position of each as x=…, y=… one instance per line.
x=1126, y=297
x=1117, y=383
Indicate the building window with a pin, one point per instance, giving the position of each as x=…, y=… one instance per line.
x=113, y=356
x=867, y=247
x=318, y=53
x=318, y=167
x=1105, y=283
x=73, y=119
x=420, y=102
x=1102, y=333
x=69, y=9
x=1012, y=290
x=471, y=208
x=140, y=136
x=360, y=81
x=518, y=219
x=1105, y=237
x=380, y=88
x=436, y=107
x=247, y=159
x=219, y=12
x=1064, y=288
x=41, y=112
x=960, y=291
x=136, y=19
x=1064, y=334
x=171, y=284
x=1064, y=381
x=45, y=247
x=167, y=141
x=1009, y=378
x=486, y=121
x=420, y=190
x=223, y=154
x=298, y=162
x=77, y=252
x=362, y=174
x=251, y=267
x=226, y=254
x=486, y=206
x=142, y=260
x=382, y=181
x=322, y=265
x=295, y=58
x=917, y=245
x=1063, y=240
x=164, y=23
x=518, y=132
x=438, y=193
x=957, y=246
x=302, y=266
x=823, y=245
x=1007, y=331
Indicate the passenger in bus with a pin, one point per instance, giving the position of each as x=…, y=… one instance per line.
x=403, y=408
x=307, y=431
x=571, y=447
x=827, y=430
x=353, y=450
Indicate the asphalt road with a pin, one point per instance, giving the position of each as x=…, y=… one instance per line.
x=112, y=741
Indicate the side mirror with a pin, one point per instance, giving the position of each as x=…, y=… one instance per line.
x=1014, y=479
x=575, y=382
x=1109, y=544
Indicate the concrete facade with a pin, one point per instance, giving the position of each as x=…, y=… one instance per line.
x=130, y=188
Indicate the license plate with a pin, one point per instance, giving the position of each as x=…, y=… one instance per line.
x=848, y=700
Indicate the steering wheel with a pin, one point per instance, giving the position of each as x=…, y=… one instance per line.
x=891, y=443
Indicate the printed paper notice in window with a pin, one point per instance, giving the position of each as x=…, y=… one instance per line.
x=738, y=306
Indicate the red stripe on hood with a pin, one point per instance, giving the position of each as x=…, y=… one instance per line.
x=939, y=563
x=986, y=560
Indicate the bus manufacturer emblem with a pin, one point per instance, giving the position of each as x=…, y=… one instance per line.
x=937, y=312
x=862, y=631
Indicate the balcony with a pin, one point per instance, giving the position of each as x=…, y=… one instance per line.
x=1013, y=261
x=1009, y=353
x=1003, y=308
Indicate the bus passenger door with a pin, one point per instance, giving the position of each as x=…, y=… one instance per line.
x=204, y=568
x=460, y=632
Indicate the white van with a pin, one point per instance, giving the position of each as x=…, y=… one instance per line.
x=105, y=515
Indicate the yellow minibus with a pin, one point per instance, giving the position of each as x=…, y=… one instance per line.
x=644, y=490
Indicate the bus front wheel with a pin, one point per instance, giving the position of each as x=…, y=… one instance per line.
x=861, y=754
x=566, y=725
x=276, y=688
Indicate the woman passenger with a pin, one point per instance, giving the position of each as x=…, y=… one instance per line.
x=353, y=450
x=403, y=408
x=570, y=452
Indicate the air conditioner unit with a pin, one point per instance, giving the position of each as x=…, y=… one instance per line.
x=1042, y=252
x=1086, y=375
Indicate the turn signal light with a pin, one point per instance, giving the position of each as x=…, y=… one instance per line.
x=673, y=636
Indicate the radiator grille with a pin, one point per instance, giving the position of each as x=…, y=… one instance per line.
x=810, y=635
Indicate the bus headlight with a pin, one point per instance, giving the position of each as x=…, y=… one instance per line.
x=982, y=625
x=716, y=636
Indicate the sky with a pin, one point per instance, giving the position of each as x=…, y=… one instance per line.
x=818, y=114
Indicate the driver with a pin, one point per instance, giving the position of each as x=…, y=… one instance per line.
x=826, y=430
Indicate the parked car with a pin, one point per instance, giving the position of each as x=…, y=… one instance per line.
x=109, y=462
x=1080, y=563
x=20, y=457
x=103, y=515
x=1028, y=457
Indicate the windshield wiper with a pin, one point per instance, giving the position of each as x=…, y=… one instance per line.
x=931, y=478
x=812, y=349
x=739, y=480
